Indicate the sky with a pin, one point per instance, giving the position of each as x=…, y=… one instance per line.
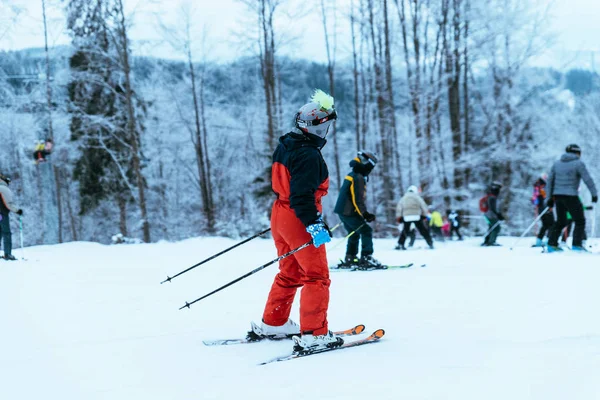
x=225, y=23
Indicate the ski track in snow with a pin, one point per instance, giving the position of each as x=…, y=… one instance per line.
x=83, y=321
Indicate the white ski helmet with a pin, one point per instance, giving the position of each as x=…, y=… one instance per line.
x=317, y=116
x=412, y=189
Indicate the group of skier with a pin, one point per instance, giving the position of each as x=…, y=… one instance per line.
x=556, y=193
x=300, y=179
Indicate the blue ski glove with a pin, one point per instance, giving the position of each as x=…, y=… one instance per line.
x=320, y=232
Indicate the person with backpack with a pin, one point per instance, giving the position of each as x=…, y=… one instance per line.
x=488, y=204
x=539, y=201
x=411, y=209
x=455, y=224
x=563, y=184
x=6, y=206
x=352, y=210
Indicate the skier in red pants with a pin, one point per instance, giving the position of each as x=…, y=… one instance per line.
x=300, y=179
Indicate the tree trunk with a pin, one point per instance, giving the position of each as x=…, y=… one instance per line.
x=132, y=122
x=331, y=74
x=203, y=177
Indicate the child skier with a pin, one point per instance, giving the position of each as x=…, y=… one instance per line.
x=492, y=213
x=352, y=210
x=300, y=179
x=455, y=224
x=539, y=201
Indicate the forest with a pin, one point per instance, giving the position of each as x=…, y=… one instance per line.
x=159, y=149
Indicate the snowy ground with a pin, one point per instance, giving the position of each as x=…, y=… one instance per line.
x=83, y=321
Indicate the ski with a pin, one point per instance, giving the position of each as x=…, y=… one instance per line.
x=373, y=338
x=357, y=330
x=337, y=269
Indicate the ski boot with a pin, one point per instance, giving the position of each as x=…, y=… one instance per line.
x=9, y=257
x=399, y=247
x=308, y=343
x=264, y=331
x=350, y=262
x=553, y=249
x=368, y=262
x=579, y=249
x=538, y=243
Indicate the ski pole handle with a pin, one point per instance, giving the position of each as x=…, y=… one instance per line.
x=169, y=279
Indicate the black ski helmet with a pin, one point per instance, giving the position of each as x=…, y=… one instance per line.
x=367, y=157
x=495, y=187
x=573, y=148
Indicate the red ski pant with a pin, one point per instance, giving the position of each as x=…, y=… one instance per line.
x=307, y=269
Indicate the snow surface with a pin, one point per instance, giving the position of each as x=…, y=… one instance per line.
x=84, y=321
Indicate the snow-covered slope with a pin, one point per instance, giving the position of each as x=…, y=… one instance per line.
x=83, y=321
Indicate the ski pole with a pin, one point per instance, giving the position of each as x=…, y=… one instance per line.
x=530, y=226
x=21, y=236
x=347, y=236
x=281, y=257
x=169, y=279
x=492, y=228
x=594, y=222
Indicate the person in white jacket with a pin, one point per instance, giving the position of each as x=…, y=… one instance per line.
x=411, y=209
x=6, y=206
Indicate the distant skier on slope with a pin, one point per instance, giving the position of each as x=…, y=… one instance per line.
x=436, y=222
x=300, y=179
x=6, y=206
x=492, y=212
x=455, y=223
x=539, y=201
x=352, y=210
x=411, y=209
x=563, y=184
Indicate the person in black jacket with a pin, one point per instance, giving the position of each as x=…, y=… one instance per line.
x=352, y=210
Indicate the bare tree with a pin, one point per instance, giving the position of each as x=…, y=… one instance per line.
x=331, y=74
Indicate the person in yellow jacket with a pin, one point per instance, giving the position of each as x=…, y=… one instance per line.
x=435, y=224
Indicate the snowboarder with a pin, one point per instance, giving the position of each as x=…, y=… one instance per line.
x=436, y=223
x=300, y=179
x=539, y=201
x=411, y=209
x=455, y=224
x=489, y=205
x=6, y=206
x=352, y=210
x=563, y=183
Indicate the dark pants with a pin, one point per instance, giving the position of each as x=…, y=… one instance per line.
x=437, y=232
x=420, y=227
x=573, y=205
x=6, y=234
x=491, y=237
x=547, y=222
x=363, y=235
x=455, y=229
x=411, y=234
